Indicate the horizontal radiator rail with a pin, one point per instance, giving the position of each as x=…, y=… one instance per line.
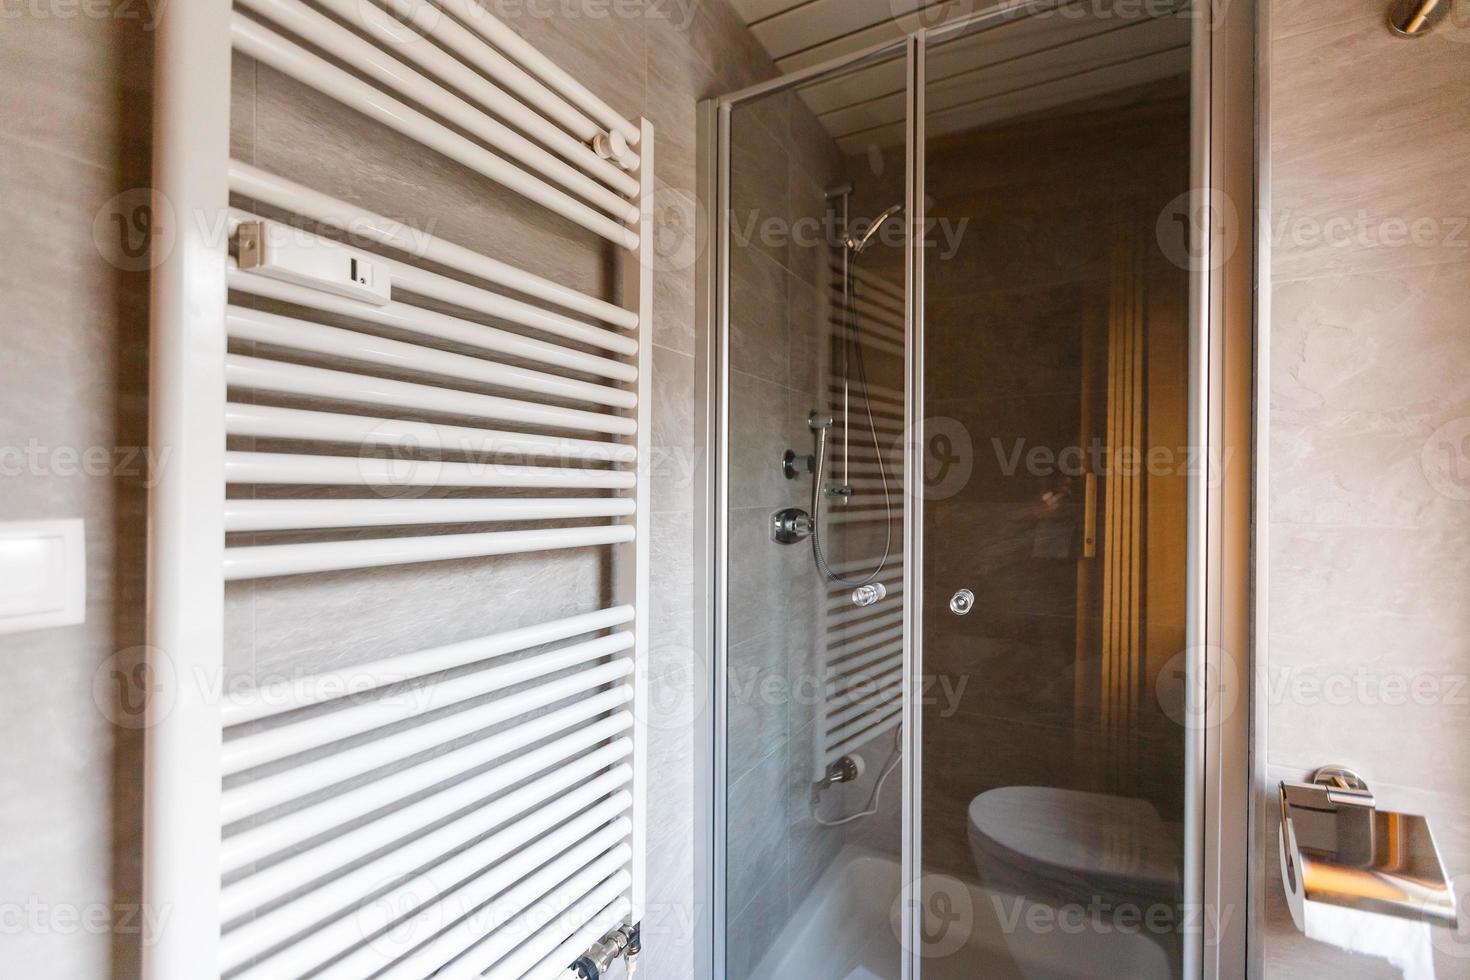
x=863, y=675
x=493, y=30
x=865, y=678
x=260, y=374
x=275, y=560
x=553, y=966
x=472, y=51
x=886, y=691
x=862, y=738
x=303, y=335
x=404, y=277
x=255, y=797
x=294, y=469
x=862, y=730
x=848, y=615
x=418, y=320
x=299, y=424
x=861, y=652
x=289, y=515
x=298, y=199
x=447, y=902
x=375, y=62
x=591, y=916
x=269, y=930
x=839, y=661
x=275, y=698
x=543, y=892
x=508, y=952
x=857, y=632
x=255, y=40
x=281, y=742
x=301, y=869
x=466, y=882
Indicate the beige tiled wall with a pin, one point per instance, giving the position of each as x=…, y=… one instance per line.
x=74, y=132
x=74, y=129
x=1367, y=656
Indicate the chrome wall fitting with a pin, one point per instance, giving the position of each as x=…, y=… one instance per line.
x=794, y=465
x=1416, y=18
x=1339, y=849
x=845, y=770
x=791, y=526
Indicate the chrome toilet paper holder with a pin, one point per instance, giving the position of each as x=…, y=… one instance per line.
x=1339, y=848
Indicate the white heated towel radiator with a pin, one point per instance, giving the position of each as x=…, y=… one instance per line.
x=508, y=854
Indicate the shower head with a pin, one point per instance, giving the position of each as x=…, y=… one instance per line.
x=858, y=244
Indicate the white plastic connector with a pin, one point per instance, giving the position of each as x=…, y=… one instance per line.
x=282, y=252
x=613, y=146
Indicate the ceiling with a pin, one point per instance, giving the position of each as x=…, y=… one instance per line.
x=1078, y=51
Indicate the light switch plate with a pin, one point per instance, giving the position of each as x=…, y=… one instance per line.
x=43, y=574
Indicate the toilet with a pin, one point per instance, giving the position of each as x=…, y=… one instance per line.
x=1080, y=857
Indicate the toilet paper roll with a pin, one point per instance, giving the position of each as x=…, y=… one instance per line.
x=1404, y=943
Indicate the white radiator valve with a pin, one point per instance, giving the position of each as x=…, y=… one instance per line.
x=613, y=146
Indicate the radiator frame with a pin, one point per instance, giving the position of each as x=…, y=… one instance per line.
x=187, y=554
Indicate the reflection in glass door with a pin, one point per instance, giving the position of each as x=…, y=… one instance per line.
x=1056, y=401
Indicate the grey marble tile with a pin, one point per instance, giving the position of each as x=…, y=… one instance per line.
x=757, y=840
x=1365, y=656
x=672, y=601
x=679, y=248
x=765, y=577
x=754, y=931
x=759, y=315
x=757, y=704
x=717, y=39
x=813, y=847
x=810, y=341
x=79, y=84
x=674, y=463
x=1293, y=17
x=1385, y=342
x=1349, y=197
x=760, y=433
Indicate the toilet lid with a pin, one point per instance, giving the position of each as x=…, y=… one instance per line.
x=1111, y=840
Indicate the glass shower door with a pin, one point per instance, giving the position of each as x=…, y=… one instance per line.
x=1056, y=406
x=953, y=518
x=811, y=642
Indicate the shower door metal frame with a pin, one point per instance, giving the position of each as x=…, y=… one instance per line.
x=1225, y=207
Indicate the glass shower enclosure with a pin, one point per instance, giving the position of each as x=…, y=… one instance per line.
x=960, y=489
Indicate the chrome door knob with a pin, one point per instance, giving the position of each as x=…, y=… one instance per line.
x=962, y=602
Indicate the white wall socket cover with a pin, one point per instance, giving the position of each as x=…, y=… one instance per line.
x=43, y=574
